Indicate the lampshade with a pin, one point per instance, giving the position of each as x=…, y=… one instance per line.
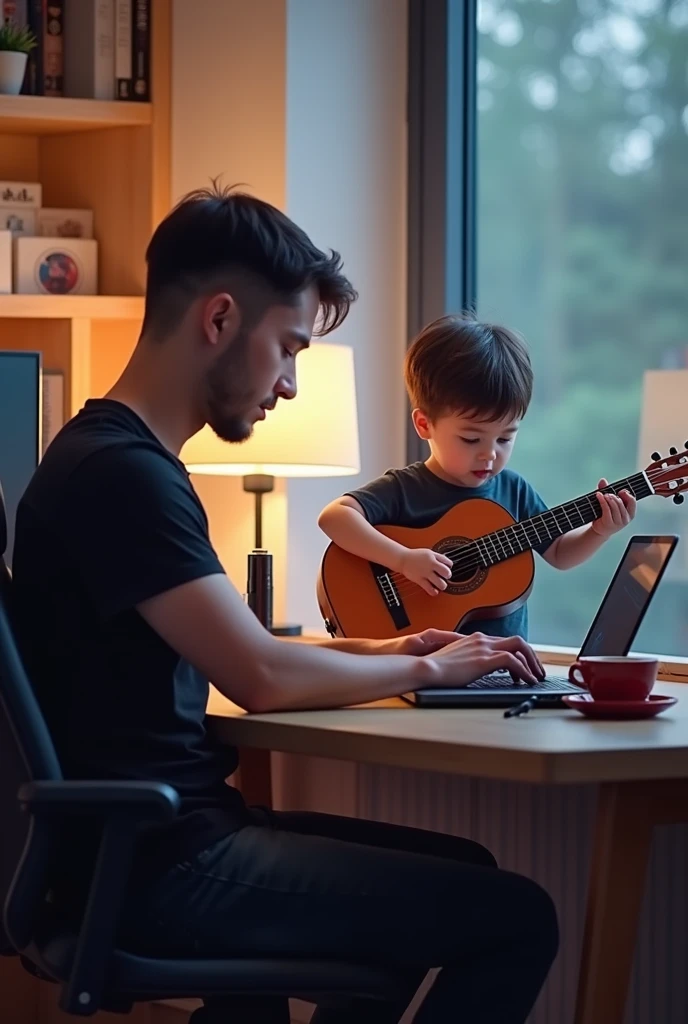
x=315, y=434
x=664, y=416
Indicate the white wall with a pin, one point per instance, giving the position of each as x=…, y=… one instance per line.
x=228, y=119
x=304, y=101
x=346, y=185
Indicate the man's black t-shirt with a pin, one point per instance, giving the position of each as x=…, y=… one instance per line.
x=109, y=519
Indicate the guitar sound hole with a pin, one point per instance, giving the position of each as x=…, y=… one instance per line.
x=465, y=577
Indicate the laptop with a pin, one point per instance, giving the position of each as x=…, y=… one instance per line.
x=612, y=632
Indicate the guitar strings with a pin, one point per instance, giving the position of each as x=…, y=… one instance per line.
x=470, y=556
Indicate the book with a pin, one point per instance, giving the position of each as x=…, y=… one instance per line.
x=52, y=411
x=123, y=49
x=141, y=51
x=90, y=49
x=45, y=69
x=53, y=47
x=15, y=11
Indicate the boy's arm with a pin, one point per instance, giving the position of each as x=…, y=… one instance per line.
x=576, y=547
x=345, y=523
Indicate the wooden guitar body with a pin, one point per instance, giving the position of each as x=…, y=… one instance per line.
x=359, y=599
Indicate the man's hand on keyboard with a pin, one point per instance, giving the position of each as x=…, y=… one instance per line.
x=470, y=657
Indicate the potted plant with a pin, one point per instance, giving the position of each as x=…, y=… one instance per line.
x=16, y=42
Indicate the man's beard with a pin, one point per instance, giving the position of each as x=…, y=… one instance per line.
x=229, y=392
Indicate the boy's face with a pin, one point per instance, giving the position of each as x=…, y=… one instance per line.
x=469, y=450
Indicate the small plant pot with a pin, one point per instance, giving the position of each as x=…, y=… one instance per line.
x=12, y=68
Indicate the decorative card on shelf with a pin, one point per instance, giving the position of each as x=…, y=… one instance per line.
x=56, y=266
x=21, y=193
x=65, y=223
x=20, y=220
x=5, y=262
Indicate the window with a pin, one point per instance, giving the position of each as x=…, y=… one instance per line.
x=579, y=152
x=582, y=243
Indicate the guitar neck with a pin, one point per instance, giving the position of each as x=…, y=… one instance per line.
x=547, y=526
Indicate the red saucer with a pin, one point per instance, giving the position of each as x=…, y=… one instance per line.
x=654, y=705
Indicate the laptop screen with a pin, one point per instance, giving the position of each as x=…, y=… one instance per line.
x=628, y=597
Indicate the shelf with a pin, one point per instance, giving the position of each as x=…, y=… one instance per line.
x=51, y=115
x=71, y=307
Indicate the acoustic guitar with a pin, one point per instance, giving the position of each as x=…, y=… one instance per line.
x=494, y=567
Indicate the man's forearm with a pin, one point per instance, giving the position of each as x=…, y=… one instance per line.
x=307, y=676
x=350, y=644
x=206, y=623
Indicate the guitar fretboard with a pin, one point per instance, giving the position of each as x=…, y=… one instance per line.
x=547, y=526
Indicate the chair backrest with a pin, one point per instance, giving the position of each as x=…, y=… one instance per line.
x=26, y=749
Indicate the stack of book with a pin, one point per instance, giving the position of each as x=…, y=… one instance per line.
x=93, y=49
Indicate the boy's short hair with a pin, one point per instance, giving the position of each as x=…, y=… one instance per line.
x=460, y=365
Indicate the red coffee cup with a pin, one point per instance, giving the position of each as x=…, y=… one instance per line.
x=610, y=678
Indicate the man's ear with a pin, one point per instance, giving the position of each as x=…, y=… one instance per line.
x=221, y=317
x=421, y=423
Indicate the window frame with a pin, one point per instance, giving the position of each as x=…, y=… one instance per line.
x=442, y=194
x=442, y=40
x=672, y=667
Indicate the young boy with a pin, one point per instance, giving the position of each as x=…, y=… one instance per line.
x=470, y=386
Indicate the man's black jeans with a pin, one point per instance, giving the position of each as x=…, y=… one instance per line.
x=319, y=886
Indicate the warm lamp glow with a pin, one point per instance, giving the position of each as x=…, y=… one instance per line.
x=315, y=434
x=664, y=417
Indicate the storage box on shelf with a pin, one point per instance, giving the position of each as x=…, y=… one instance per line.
x=111, y=158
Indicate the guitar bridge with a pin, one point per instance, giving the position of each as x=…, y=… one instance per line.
x=390, y=595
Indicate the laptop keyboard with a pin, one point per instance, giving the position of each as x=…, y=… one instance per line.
x=503, y=680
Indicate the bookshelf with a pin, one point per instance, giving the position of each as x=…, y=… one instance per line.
x=112, y=158
x=48, y=115
x=70, y=307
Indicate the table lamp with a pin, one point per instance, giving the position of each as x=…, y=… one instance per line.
x=664, y=416
x=314, y=435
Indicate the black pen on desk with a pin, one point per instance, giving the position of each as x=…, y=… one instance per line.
x=521, y=709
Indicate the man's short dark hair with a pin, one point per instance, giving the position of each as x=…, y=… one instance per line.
x=216, y=232
x=459, y=365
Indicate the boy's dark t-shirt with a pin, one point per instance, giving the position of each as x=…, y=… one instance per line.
x=415, y=496
x=109, y=519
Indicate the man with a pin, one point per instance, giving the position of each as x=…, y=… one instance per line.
x=125, y=613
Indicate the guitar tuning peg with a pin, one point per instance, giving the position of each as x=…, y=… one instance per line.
x=656, y=455
x=673, y=451
x=678, y=499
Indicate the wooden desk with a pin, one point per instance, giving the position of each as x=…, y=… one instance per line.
x=642, y=769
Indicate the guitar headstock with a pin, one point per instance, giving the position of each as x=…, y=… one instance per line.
x=669, y=474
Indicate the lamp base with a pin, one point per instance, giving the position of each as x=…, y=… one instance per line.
x=286, y=629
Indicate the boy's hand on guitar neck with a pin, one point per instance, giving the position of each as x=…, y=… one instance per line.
x=617, y=511
x=576, y=546
x=427, y=568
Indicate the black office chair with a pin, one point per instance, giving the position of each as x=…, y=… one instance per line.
x=92, y=972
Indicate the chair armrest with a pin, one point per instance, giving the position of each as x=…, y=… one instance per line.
x=122, y=807
x=142, y=801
